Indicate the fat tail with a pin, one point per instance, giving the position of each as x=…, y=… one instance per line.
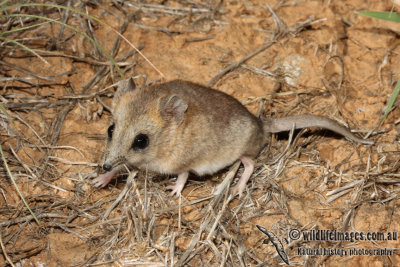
x=304, y=121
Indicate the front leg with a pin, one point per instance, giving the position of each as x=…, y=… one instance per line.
x=179, y=184
x=103, y=179
x=248, y=164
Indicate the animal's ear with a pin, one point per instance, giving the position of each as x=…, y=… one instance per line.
x=124, y=87
x=173, y=108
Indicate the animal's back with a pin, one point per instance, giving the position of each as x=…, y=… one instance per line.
x=217, y=129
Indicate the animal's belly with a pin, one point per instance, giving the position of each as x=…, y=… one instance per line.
x=161, y=167
x=201, y=167
x=210, y=167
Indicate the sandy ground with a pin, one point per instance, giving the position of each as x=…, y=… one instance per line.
x=320, y=57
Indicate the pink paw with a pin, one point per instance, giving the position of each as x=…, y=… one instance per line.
x=238, y=190
x=176, y=189
x=179, y=184
x=103, y=179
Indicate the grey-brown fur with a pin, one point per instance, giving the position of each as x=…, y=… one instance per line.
x=192, y=128
x=215, y=125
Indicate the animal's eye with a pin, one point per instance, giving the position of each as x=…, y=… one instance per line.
x=141, y=141
x=110, y=131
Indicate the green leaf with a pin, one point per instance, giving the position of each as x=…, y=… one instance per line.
x=392, y=99
x=389, y=16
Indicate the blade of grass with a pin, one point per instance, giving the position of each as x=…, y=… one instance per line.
x=392, y=99
x=5, y=1
x=26, y=48
x=3, y=248
x=24, y=28
x=93, y=18
x=393, y=17
x=16, y=186
x=73, y=29
x=5, y=112
x=388, y=16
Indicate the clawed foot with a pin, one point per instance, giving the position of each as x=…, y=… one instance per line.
x=176, y=189
x=177, y=186
x=103, y=179
x=238, y=190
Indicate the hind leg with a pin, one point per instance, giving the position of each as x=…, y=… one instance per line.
x=248, y=164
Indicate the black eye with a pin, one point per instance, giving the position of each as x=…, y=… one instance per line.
x=141, y=141
x=110, y=131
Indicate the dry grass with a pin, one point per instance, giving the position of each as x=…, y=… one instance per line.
x=141, y=224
